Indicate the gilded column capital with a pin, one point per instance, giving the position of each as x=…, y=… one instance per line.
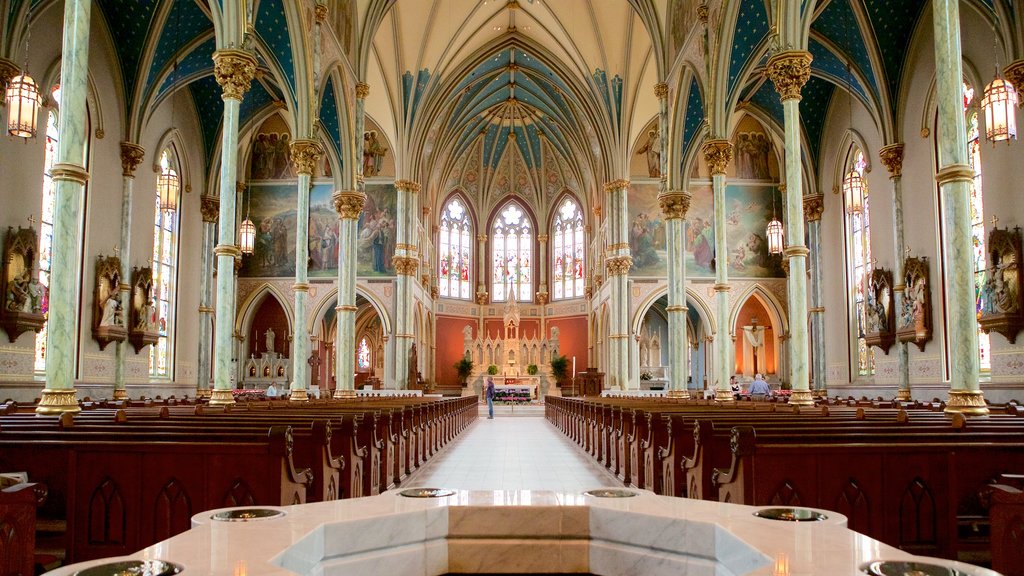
x=481, y=237
x=718, y=155
x=614, y=185
x=789, y=71
x=362, y=90
x=321, y=13
x=542, y=238
x=619, y=265
x=674, y=204
x=892, y=157
x=234, y=71
x=131, y=156
x=661, y=90
x=305, y=154
x=407, y=185
x=209, y=206
x=349, y=204
x=8, y=70
x=814, y=207
x=405, y=265
x=1014, y=72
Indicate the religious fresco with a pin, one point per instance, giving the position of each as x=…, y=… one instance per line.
x=647, y=243
x=376, y=236
x=272, y=208
x=646, y=158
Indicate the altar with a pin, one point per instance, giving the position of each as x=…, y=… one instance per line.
x=510, y=354
x=516, y=387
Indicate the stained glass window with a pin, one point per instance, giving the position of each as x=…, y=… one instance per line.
x=512, y=254
x=977, y=222
x=455, y=250
x=860, y=250
x=46, y=230
x=363, y=356
x=165, y=256
x=567, y=251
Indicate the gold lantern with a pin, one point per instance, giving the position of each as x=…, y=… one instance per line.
x=853, y=191
x=247, y=236
x=999, y=104
x=775, y=236
x=168, y=186
x=23, y=106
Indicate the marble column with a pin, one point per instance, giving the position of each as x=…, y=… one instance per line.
x=955, y=177
x=131, y=156
x=618, y=263
x=789, y=71
x=892, y=158
x=69, y=178
x=542, y=289
x=305, y=155
x=349, y=205
x=674, y=205
x=481, y=274
x=406, y=262
x=814, y=206
x=234, y=70
x=718, y=154
x=210, y=208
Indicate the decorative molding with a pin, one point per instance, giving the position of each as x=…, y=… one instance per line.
x=234, y=71
x=614, y=185
x=305, y=155
x=789, y=71
x=814, y=207
x=58, y=401
x=227, y=250
x=349, y=204
x=619, y=265
x=1014, y=72
x=954, y=173
x=661, y=90
x=969, y=402
x=675, y=204
x=892, y=158
x=209, y=206
x=718, y=155
x=321, y=13
x=407, y=185
x=405, y=265
x=362, y=90
x=131, y=156
x=70, y=172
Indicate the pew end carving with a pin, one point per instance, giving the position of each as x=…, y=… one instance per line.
x=25, y=299
x=999, y=304
x=108, y=322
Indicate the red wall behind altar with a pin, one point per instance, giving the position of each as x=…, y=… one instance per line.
x=269, y=315
x=449, y=347
x=572, y=339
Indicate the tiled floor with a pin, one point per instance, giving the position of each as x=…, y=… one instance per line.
x=512, y=453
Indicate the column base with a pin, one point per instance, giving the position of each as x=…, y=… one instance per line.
x=724, y=396
x=822, y=393
x=968, y=403
x=299, y=395
x=220, y=397
x=120, y=394
x=344, y=393
x=203, y=393
x=58, y=402
x=682, y=394
x=801, y=398
x=903, y=395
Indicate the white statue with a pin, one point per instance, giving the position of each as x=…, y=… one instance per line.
x=147, y=318
x=111, y=312
x=270, y=340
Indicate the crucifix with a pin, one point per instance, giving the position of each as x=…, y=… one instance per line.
x=117, y=250
x=995, y=220
x=31, y=220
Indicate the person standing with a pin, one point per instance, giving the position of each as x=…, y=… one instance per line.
x=490, y=398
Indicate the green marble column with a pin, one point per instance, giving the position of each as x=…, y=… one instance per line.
x=234, y=70
x=674, y=205
x=406, y=262
x=131, y=156
x=69, y=178
x=349, y=206
x=210, y=208
x=790, y=71
x=618, y=264
x=892, y=158
x=305, y=155
x=955, y=177
x=718, y=154
x=814, y=206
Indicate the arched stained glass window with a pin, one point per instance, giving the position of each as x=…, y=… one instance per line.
x=363, y=356
x=512, y=254
x=977, y=221
x=46, y=230
x=860, y=268
x=455, y=250
x=567, y=251
x=165, y=260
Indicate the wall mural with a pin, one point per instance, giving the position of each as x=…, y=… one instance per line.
x=272, y=208
x=271, y=157
x=376, y=238
x=748, y=211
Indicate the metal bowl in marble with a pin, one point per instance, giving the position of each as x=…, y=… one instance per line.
x=791, y=514
x=247, y=515
x=132, y=568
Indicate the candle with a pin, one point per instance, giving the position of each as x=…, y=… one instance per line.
x=573, y=366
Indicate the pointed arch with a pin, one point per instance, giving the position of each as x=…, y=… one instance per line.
x=512, y=231
x=330, y=300
x=455, y=246
x=567, y=246
x=247, y=310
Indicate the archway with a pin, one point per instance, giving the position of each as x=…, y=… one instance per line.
x=370, y=339
x=650, y=327
x=758, y=331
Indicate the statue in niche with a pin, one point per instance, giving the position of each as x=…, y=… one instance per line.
x=915, y=313
x=1000, y=304
x=24, y=297
x=879, y=310
x=269, y=340
x=652, y=150
x=144, y=319
x=373, y=153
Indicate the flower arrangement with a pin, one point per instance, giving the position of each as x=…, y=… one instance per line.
x=492, y=369
x=531, y=369
x=646, y=376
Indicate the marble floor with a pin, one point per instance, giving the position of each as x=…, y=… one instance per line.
x=512, y=453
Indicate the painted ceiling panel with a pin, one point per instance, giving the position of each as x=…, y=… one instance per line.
x=751, y=29
x=838, y=23
x=329, y=117
x=185, y=23
x=768, y=100
x=272, y=27
x=827, y=62
x=210, y=109
x=129, y=23
x=817, y=94
x=893, y=24
x=199, y=60
x=695, y=114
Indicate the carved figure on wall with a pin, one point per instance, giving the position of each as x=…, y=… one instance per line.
x=1000, y=308
x=144, y=319
x=24, y=298
x=752, y=153
x=652, y=150
x=270, y=336
x=373, y=153
x=915, y=314
x=108, y=318
x=879, y=310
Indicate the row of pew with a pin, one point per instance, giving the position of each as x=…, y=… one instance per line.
x=907, y=475
x=122, y=476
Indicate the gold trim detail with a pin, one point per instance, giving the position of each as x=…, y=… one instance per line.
x=955, y=173
x=120, y=394
x=816, y=310
x=966, y=402
x=619, y=265
x=349, y=204
x=407, y=185
x=676, y=308
x=619, y=246
x=299, y=395
x=234, y=71
x=346, y=308
x=481, y=237
x=227, y=250
x=722, y=287
x=892, y=157
x=1014, y=72
x=724, y=396
x=321, y=13
x=405, y=265
x=207, y=309
x=8, y=70
x=344, y=393
x=362, y=90
x=70, y=173
x=131, y=156
x=58, y=402
x=203, y=392
x=305, y=154
x=219, y=397
x=542, y=238
x=718, y=155
x=661, y=90
x=680, y=394
x=209, y=206
x=300, y=287
x=814, y=207
x=614, y=185
x=801, y=398
x=674, y=205
x=903, y=395
x=796, y=251
x=789, y=71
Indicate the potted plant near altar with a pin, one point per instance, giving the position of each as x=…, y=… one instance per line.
x=464, y=368
x=492, y=369
x=559, y=369
x=646, y=376
x=531, y=369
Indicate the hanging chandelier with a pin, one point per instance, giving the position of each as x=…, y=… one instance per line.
x=999, y=103
x=775, y=233
x=247, y=232
x=168, y=186
x=23, y=106
x=854, y=188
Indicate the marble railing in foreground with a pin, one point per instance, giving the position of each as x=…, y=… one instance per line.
x=607, y=531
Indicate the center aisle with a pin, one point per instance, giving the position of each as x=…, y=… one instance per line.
x=512, y=453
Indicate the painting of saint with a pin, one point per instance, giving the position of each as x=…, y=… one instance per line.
x=376, y=231
x=646, y=231
x=273, y=207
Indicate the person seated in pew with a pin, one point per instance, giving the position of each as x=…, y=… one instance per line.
x=735, y=386
x=271, y=391
x=759, y=389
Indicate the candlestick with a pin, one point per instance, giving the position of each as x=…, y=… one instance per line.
x=574, y=367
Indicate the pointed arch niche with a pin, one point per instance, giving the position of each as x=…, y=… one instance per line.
x=757, y=348
x=370, y=327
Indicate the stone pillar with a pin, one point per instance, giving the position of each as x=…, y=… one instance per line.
x=406, y=264
x=814, y=206
x=131, y=156
x=349, y=206
x=305, y=155
x=718, y=154
x=481, y=275
x=892, y=158
x=210, y=208
x=234, y=70
x=674, y=205
x=69, y=178
x=618, y=263
x=542, y=289
x=789, y=72
x=955, y=178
